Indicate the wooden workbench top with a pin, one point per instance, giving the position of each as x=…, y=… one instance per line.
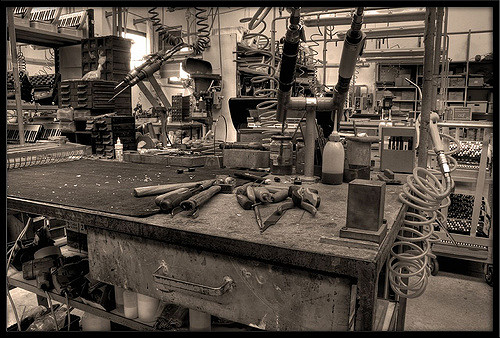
x=223, y=226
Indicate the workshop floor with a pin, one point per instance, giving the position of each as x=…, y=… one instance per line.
x=457, y=299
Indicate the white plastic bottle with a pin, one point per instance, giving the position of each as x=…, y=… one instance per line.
x=332, y=170
x=119, y=150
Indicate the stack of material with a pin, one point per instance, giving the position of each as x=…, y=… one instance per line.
x=93, y=95
x=117, y=65
x=106, y=132
x=180, y=108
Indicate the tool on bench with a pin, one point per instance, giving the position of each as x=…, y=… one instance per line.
x=255, y=205
x=195, y=202
x=251, y=177
x=388, y=177
x=161, y=189
x=304, y=198
x=170, y=203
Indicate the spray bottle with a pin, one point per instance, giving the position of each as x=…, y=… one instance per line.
x=119, y=150
x=333, y=159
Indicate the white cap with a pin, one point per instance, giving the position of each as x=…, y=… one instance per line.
x=335, y=137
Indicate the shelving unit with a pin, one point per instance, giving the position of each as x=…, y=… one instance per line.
x=474, y=240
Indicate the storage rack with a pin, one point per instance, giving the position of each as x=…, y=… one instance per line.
x=106, y=131
x=117, y=65
x=474, y=238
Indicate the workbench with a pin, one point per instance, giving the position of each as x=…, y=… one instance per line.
x=219, y=263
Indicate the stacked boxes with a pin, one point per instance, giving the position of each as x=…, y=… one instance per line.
x=180, y=108
x=116, y=67
x=107, y=130
x=86, y=94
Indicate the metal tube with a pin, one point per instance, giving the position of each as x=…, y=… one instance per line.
x=273, y=43
x=120, y=25
x=15, y=70
x=324, y=57
x=444, y=60
x=417, y=15
x=437, y=55
x=113, y=21
x=309, y=142
x=393, y=52
x=388, y=32
x=430, y=29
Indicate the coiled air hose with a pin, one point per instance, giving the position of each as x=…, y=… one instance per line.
x=203, y=37
x=424, y=194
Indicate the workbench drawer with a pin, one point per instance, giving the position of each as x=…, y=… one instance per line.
x=250, y=292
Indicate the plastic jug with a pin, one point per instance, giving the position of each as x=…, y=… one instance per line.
x=332, y=170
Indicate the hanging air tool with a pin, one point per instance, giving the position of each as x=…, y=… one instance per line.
x=147, y=69
x=353, y=47
x=293, y=35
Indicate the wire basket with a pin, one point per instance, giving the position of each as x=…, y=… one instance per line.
x=43, y=153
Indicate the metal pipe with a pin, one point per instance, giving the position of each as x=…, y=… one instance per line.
x=113, y=21
x=389, y=32
x=273, y=44
x=393, y=52
x=437, y=55
x=324, y=57
x=430, y=30
x=416, y=15
x=15, y=71
x=310, y=143
x=120, y=24
x=444, y=60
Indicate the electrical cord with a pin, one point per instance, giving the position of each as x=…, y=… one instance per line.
x=51, y=309
x=21, y=234
x=423, y=194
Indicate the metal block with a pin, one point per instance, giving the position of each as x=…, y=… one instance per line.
x=365, y=205
x=245, y=158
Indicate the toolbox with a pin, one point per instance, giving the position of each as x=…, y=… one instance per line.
x=456, y=95
x=478, y=106
x=456, y=81
x=476, y=80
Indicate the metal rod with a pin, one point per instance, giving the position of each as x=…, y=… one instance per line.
x=148, y=94
x=444, y=61
x=113, y=21
x=120, y=24
x=15, y=70
x=324, y=56
x=437, y=55
x=368, y=18
x=159, y=91
x=273, y=44
x=467, y=57
x=310, y=142
x=430, y=29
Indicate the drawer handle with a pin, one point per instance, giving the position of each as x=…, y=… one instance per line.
x=167, y=284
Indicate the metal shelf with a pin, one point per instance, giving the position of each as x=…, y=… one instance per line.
x=15, y=278
x=44, y=38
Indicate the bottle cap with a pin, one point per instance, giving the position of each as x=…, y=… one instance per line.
x=335, y=137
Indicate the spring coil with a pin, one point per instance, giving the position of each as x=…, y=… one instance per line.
x=203, y=38
x=424, y=194
x=162, y=30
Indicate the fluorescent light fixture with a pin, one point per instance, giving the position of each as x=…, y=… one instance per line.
x=376, y=17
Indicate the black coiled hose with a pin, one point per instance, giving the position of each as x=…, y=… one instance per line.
x=163, y=31
x=203, y=38
x=21, y=59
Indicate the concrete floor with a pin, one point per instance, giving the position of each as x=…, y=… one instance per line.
x=457, y=299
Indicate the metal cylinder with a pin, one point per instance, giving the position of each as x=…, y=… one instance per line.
x=310, y=142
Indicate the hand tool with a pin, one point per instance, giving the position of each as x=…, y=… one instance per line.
x=262, y=194
x=161, y=197
x=161, y=189
x=195, y=202
x=304, y=198
x=171, y=204
x=254, y=178
x=255, y=205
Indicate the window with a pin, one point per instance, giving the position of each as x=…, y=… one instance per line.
x=138, y=50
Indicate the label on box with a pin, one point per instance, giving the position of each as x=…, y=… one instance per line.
x=462, y=113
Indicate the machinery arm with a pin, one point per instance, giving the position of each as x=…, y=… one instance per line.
x=288, y=62
x=353, y=47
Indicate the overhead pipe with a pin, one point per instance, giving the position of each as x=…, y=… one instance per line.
x=393, y=52
x=389, y=32
x=430, y=31
x=415, y=15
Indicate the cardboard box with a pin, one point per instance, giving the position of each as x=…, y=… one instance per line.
x=478, y=106
x=455, y=95
x=476, y=81
x=456, y=81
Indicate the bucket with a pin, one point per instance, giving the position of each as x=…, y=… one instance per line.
x=147, y=307
x=129, y=304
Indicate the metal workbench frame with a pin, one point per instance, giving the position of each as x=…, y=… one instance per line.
x=365, y=273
